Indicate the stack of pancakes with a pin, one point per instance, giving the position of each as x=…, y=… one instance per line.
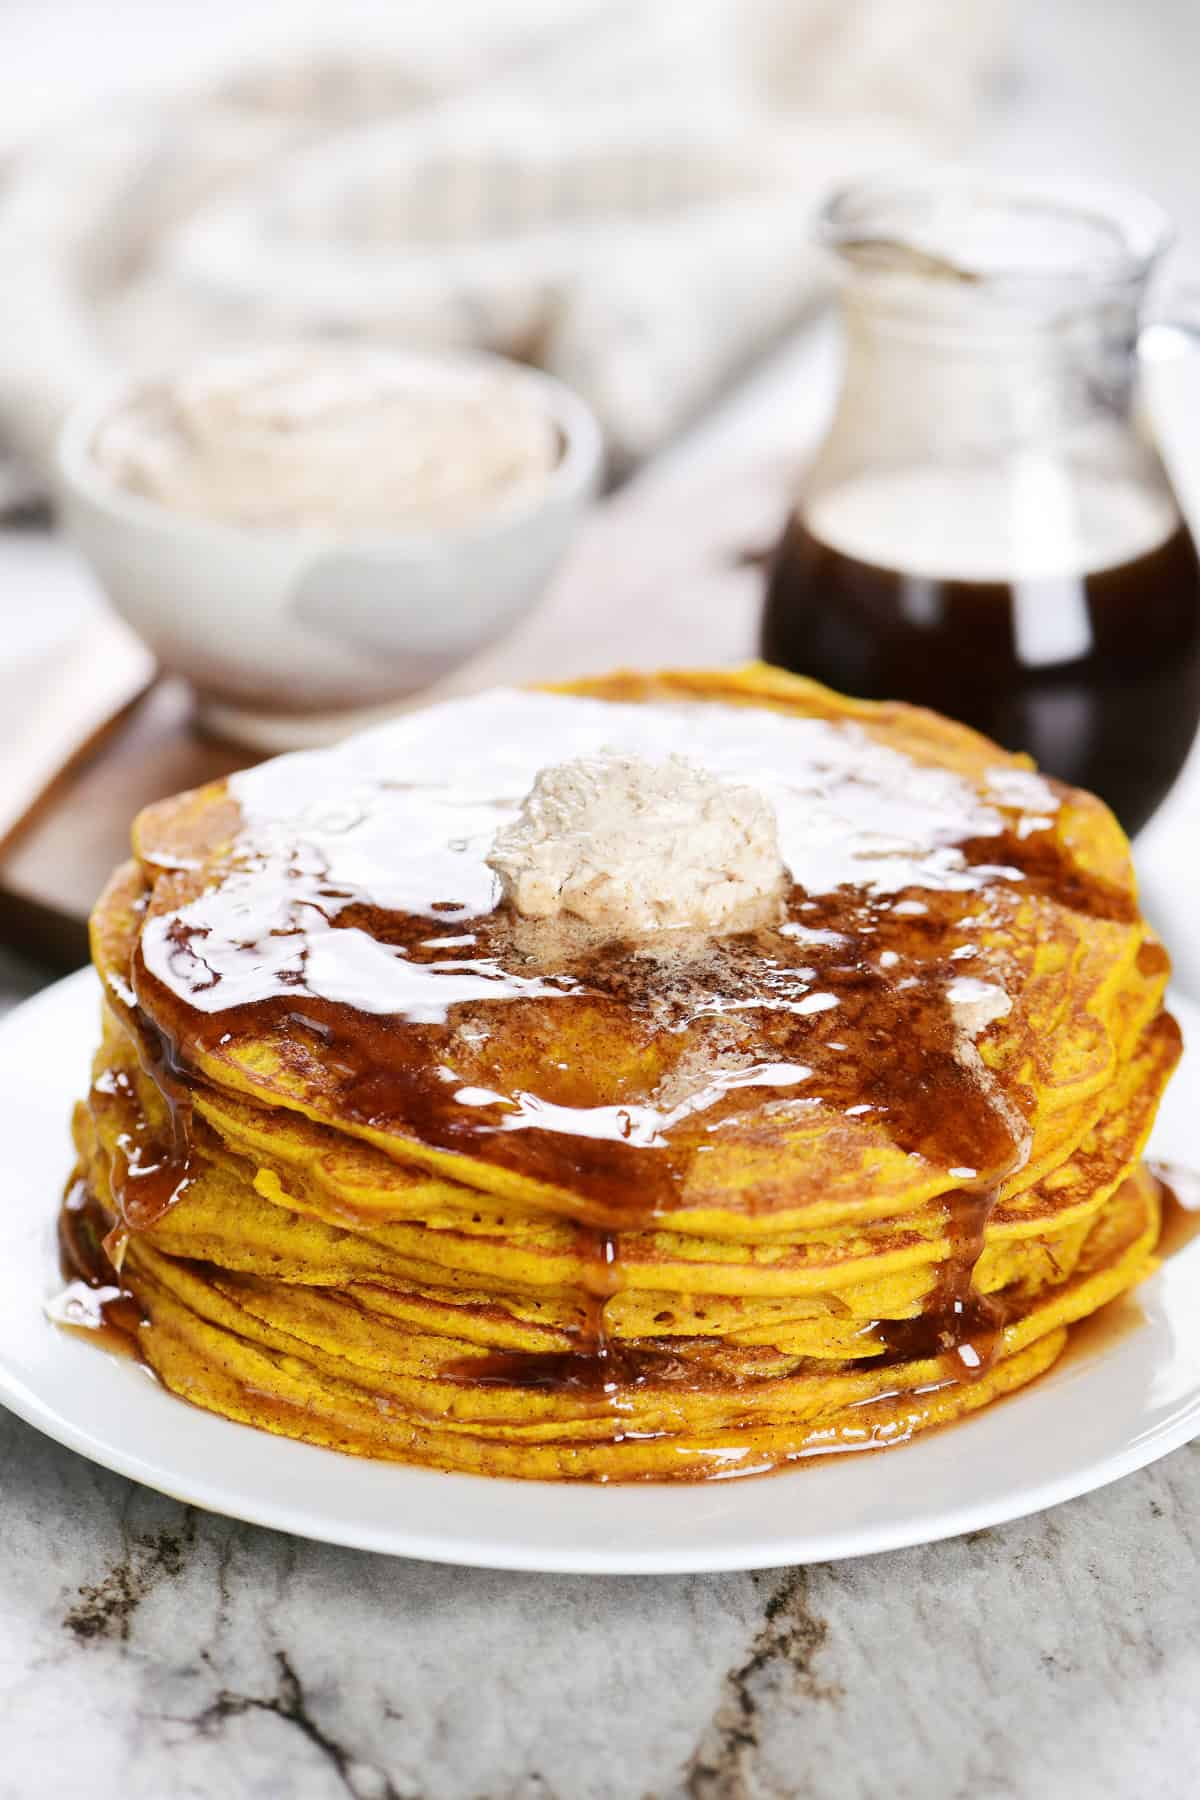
x=370, y=1162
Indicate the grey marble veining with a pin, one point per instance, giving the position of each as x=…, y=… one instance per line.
x=147, y=1649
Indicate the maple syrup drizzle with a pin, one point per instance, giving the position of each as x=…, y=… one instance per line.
x=599, y=1365
x=956, y=1321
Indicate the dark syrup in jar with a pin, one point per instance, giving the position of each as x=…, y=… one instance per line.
x=1114, y=711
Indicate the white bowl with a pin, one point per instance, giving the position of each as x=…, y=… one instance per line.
x=294, y=636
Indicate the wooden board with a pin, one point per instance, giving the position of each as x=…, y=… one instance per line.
x=55, y=867
x=664, y=572
x=59, y=703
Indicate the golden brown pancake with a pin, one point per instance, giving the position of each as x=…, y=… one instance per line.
x=386, y=1167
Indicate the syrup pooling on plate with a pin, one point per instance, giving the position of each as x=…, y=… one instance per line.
x=93, y=1302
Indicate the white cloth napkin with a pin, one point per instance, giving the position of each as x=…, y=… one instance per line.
x=622, y=194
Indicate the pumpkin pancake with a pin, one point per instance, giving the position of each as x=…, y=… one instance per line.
x=387, y=1165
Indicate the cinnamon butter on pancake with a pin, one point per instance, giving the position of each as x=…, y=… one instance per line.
x=498, y=1092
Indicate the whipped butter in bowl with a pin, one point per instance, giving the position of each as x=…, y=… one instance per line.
x=332, y=437
x=311, y=532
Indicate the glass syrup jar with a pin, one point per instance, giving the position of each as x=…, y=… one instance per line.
x=986, y=528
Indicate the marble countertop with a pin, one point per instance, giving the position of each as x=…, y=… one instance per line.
x=148, y=1649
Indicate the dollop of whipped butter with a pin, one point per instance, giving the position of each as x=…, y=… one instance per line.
x=633, y=846
x=976, y=1004
x=335, y=436
x=405, y=818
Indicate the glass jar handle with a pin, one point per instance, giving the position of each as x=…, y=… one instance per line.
x=1169, y=361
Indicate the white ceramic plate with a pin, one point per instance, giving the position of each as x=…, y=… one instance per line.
x=1116, y=1404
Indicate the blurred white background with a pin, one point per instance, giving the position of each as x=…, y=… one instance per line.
x=1105, y=88
x=1065, y=87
